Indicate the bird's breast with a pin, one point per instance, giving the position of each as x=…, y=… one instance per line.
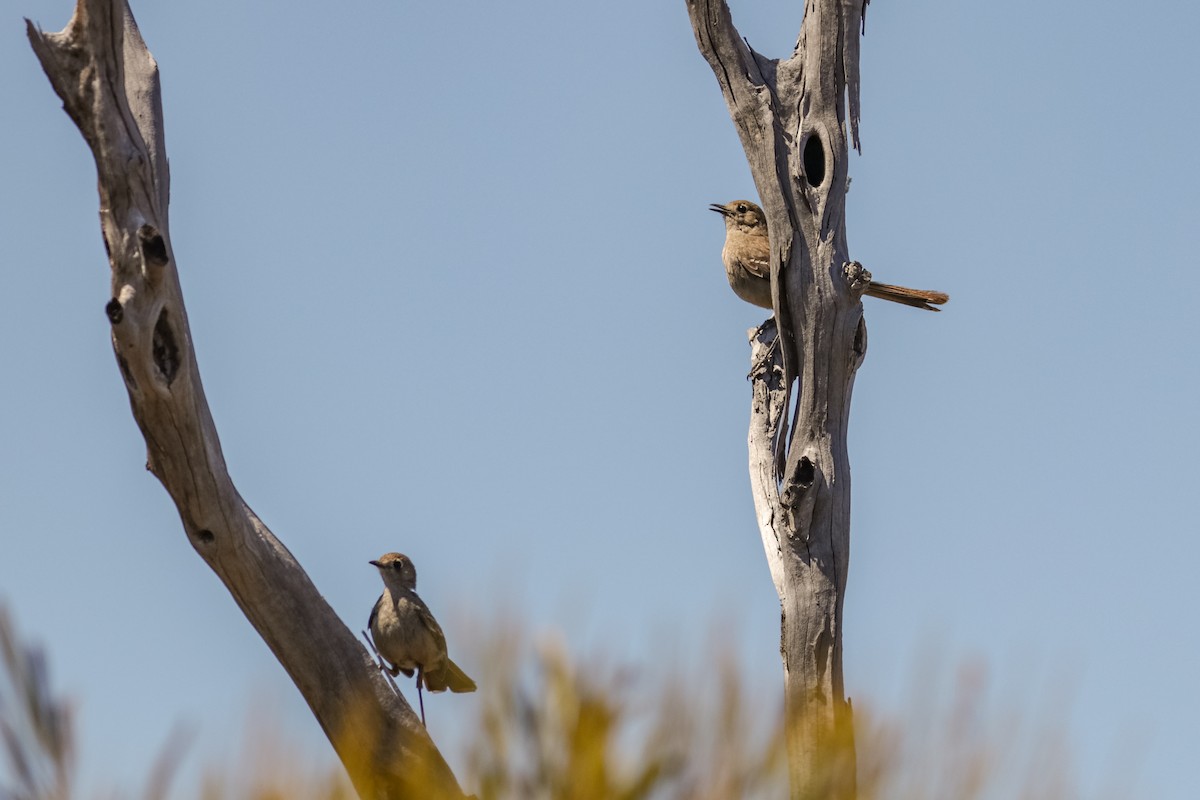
x=401, y=635
x=749, y=287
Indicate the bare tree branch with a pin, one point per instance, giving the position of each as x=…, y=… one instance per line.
x=108, y=82
x=791, y=117
x=766, y=412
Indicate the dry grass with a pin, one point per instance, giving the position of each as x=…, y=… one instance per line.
x=550, y=729
x=555, y=731
x=35, y=726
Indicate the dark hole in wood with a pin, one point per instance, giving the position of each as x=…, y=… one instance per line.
x=154, y=249
x=166, y=352
x=814, y=160
x=114, y=311
x=205, y=536
x=805, y=472
x=860, y=338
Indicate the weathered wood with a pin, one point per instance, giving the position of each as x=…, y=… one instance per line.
x=108, y=82
x=791, y=117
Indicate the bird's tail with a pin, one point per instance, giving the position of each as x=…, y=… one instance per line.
x=451, y=677
x=918, y=298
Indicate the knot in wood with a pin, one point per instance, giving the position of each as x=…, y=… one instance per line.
x=857, y=276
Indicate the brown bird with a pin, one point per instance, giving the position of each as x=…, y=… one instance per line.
x=406, y=634
x=747, y=257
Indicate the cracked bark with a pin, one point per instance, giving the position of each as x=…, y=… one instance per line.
x=108, y=82
x=791, y=116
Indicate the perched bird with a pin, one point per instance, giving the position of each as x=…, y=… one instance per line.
x=406, y=634
x=747, y=257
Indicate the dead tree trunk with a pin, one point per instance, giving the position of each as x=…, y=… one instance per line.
x=792, y=119
x=108, y=82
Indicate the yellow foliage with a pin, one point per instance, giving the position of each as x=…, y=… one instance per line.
x=551, y=729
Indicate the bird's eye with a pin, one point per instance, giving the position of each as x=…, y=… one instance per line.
x=741, y=208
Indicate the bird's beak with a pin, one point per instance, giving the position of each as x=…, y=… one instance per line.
x=375, y=564
x=720, y=209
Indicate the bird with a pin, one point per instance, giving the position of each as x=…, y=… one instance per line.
x=407, y=636
x=747, y=257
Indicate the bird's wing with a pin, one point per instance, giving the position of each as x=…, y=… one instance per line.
x=374, y=614
x=759, y=267
x=431, y=624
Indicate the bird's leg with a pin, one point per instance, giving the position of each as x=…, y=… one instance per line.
x=383, y=665
x=421, y=697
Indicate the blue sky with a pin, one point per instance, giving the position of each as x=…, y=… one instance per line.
x=455, y=291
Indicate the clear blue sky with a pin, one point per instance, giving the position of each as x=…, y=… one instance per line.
x=455, y=291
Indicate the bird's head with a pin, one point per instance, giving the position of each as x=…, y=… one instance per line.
x=742, y=214
x=397, y=571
